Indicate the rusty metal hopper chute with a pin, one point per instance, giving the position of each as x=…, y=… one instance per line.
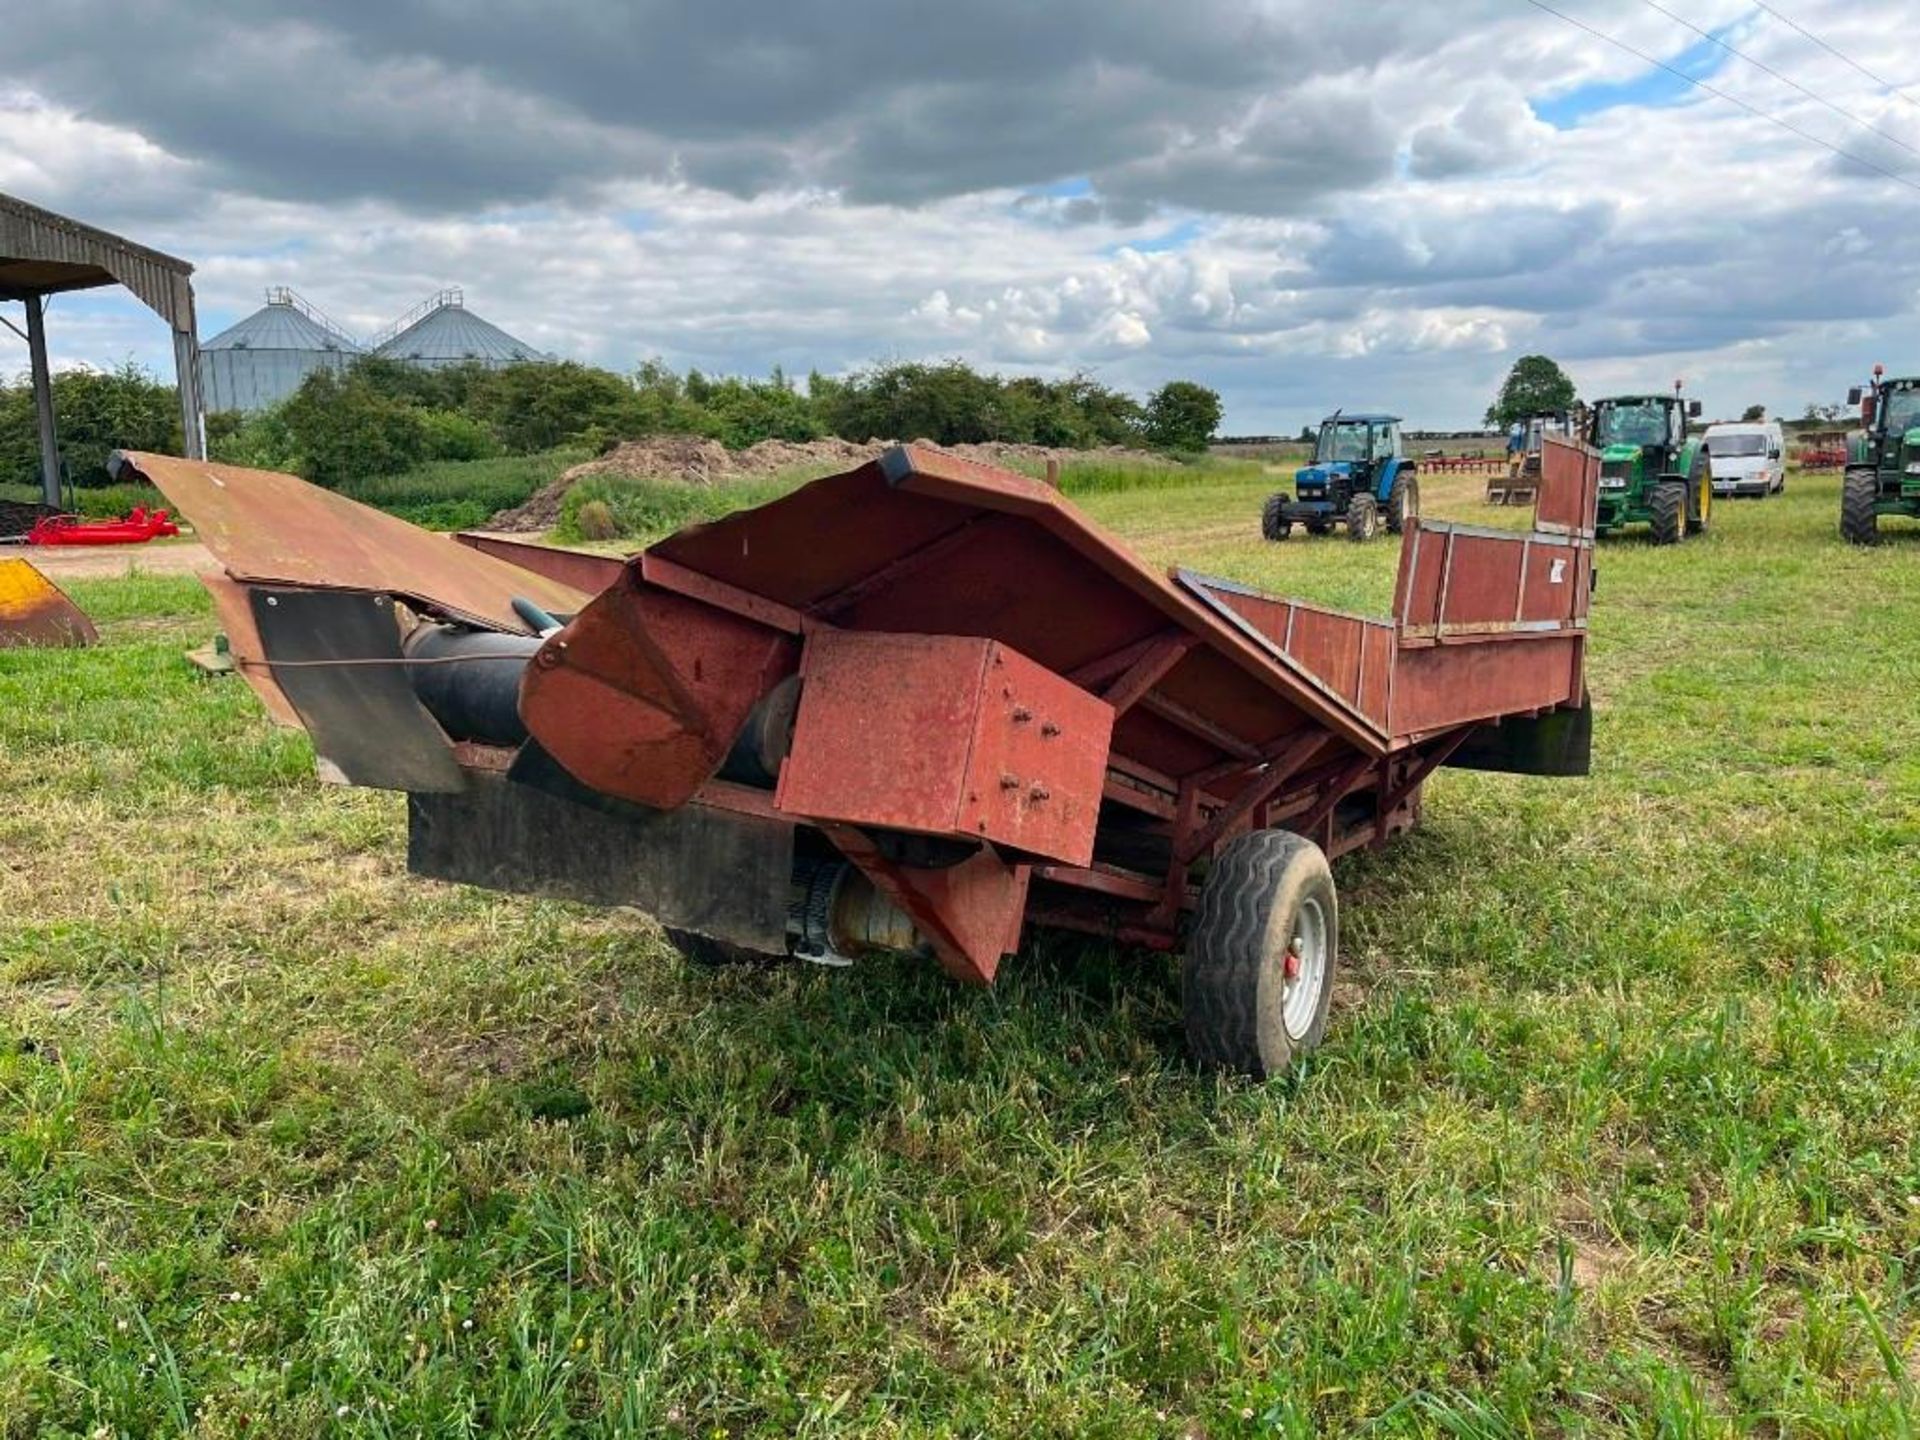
x=934, y=677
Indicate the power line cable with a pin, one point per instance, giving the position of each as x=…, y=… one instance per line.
x=1783, y=79
x=1772, y=119
x=1793, y=24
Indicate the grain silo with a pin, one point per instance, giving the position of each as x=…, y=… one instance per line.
x=440, y=331
x=262, y=360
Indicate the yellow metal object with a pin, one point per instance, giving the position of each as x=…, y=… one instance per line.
x=34, y=611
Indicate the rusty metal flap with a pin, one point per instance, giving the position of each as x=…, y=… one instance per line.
x=35, y=611
x=277, y=529
x=581, y=569
x=922, y=541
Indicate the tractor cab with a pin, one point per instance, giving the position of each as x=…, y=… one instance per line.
x=1883, y=459
x=1650, y=471
x=1359, y=477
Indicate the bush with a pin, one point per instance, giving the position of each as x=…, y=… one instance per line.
x=460, y=494
x=646, y=507
x=98, y=412
x=261, y=442
x=594, y=521
x=453, y=436
x=539, y=405
x=1182, y=416
x=344, y=428
x=740, y=413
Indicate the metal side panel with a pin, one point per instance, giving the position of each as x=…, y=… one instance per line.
x=335, y=655
x=278, y=529
x=716, y=872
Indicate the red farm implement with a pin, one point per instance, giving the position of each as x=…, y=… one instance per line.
x=1823, y=450
x=136, y=529
x=1473, y=462
x=919, y=707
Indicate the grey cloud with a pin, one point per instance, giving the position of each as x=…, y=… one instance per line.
x=433, y=104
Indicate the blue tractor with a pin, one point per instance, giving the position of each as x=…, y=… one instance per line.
x=1359, y=478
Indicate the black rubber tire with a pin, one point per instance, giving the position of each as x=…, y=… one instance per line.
x=1669, y=518
x=711, y=954
x=1403, y=500
x=1274, y=525
x=1858, y=524
x=1363, y=519
x=1233, y=976
x=1700, y=493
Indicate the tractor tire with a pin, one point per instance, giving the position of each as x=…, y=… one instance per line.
x=1403, y=502
x=1363, y=519
x=1700, y=487
x=711, y=954
x=1669, y=518
x=1260, y=960
x=1858, y=523
x=1273, y=524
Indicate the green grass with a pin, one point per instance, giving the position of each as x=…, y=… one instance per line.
x=646, y=509
x=462, y=494
x=1614, y=1133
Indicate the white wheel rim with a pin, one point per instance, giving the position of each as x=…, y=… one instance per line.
x=1305, y=968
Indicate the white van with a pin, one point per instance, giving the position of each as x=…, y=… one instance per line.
x=1747, y=459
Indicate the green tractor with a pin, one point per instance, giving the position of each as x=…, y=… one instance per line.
x=1883, y=460
x=1651, y=472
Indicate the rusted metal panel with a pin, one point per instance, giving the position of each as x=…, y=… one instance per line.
x=1345, y=655
x=275, y=529
x=947, y=735
x=233, y=603
x=1491, y=582
x=641, y=694
x=849, y=534
x=576, y=569
x=970, y=913
x=1440, y=686
x=35, y=611
x=1569, y=487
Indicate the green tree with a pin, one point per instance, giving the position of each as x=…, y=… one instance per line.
x=96, y=412
x=1182, y=416
x=344, y=428
x=1534, y=385
x=539, y=404
x=1753, y=414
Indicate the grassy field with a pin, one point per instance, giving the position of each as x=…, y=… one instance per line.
x=1615, y=1133
x=643, y=509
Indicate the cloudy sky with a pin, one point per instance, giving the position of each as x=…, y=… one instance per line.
x=1302, y=204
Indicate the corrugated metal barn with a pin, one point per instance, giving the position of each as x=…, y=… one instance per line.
x=43, y=254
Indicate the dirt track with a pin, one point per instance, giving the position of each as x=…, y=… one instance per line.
x=106, y=562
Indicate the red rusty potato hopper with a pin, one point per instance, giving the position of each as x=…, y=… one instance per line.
x=920, y=706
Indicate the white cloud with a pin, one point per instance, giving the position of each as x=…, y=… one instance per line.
x=1302, y=207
